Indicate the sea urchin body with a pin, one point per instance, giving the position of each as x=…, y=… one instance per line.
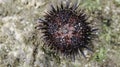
x=66, y=30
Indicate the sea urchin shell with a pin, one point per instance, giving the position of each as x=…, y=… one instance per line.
x=66, y=30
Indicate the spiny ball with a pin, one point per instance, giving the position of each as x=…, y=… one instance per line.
x=65, y=29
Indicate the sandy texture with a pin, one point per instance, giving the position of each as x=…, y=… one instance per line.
x=21, y=46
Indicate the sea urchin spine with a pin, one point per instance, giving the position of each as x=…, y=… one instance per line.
x=66, y=30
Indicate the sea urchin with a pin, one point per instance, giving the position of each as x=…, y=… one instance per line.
x=65, y=30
